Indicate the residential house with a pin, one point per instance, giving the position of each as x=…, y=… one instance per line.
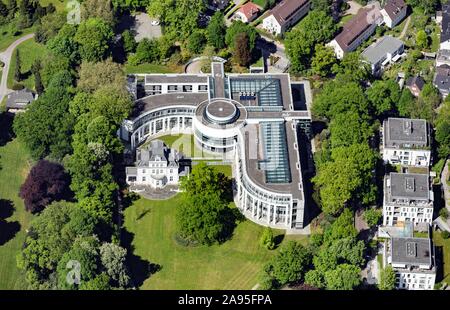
x=413, y=261
x=408, y=198
x=382, y=53
x=247, y=13
x=394, y=12
x=356, y=30
x=415, y=85
x=285, y=15
x=156, y=166
x=442, y=80
x=406, y=142
x=19, y=100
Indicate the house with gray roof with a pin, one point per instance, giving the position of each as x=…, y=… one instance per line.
x=382, y=53
x=406, y=142
x=408, y=198
x=442, y=80
x=394, y=12
x=20, y=99
x=156, y=166
x=415, y=85
x=413, y=261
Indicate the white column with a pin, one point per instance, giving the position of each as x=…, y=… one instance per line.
x=275, y=209
x=286, y=220
x=258, y=209
x=269, y=209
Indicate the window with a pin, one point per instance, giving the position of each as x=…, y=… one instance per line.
x=171, y=179
x=143, y=179
x=171, y=170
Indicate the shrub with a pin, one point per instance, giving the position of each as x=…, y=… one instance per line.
x=444, y=213
x=445, y=234
x=17, y=86
x=267, y=240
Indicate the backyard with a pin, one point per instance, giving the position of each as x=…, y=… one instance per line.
x=234, y=264
x=445, y=244
x=14, y=219
x=29, y=51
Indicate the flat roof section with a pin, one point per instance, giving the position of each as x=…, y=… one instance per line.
x=378, y=51
x=410, y=186
x=175, y=79
x=404, y=131
x=411, y=251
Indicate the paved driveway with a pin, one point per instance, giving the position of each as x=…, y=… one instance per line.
x=5, y=57
x=144, y=29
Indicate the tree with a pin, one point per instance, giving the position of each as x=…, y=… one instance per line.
x=349, y=128
x=96, y=75
x=129, y=43
x=179, y=17
x=384, y=96
x=196, y=42
x=242, y=53
x=216, y=31
x=111, y=102
x=344, y=277
x=46, y=127
x=203, y=215
x=113, y=260
x=84, y=250
x=36, y=68
x=428, y=6
x=49, y=27
x=372, y=217
x=353, y=68
x=422, y=39
x=442, y=130
x=387, y=279
x=405, y=103
x=315, y=278
x=267, y=240
x=94, y=36
x=238, y=28
x=323, y=60
x=46, y=182
x=321, y=5
x=341, y=228
x=18, y=67
x=101, y=9
x=290, y=264
x=146, y=51
x=51, y=235
x=430, y=95
x=99, y=283
x=3, y=9
x=317, y=27
x=65, y=45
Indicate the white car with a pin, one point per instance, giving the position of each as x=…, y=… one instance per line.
x=155, y=22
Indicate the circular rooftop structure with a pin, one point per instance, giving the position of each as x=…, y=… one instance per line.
x=221, y=112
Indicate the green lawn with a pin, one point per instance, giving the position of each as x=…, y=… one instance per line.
x=261, y=3
x=445, y=243
x=29, y=52
x=185, y=144
x=7, y=36
x=148, y=68
x=59, y=4
x=15, y=165
x=234, y=264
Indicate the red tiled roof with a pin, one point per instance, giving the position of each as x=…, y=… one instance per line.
x=249, y=9
x=394, y=7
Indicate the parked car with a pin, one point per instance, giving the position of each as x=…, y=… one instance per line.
x=155, y=22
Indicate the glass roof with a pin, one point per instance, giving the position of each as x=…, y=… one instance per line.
x=276, y=157
x=268, y=91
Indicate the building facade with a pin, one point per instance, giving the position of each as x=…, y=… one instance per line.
x=382, y=53
x=406, y=142
x=413, y=261
x=285, y=15
x=356, y=31
x=156, y=166
x=408, y=198
x=247, y=13
x=394, y=12
x=253, y=120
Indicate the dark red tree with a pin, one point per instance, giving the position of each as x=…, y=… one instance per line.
x=46, y=182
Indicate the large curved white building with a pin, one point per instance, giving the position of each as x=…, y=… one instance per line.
x=252, y=118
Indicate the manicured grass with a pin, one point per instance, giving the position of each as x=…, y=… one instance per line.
x=234, y=264
x=150, y=68
x=261, y=3
x=60, y=5
x=345, y=19
x=7, y=36
x=186, y=145
x=29, y=52
x=445, y=244
x=15, y=166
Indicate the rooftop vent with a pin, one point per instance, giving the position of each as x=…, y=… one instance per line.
x=411, y=249
x=409, y=185
x=407, y=127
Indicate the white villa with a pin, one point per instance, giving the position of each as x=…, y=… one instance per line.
x=156, y=166
x=406, y=142
x=285, y=15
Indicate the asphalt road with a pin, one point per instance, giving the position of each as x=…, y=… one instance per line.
x=5, y=57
